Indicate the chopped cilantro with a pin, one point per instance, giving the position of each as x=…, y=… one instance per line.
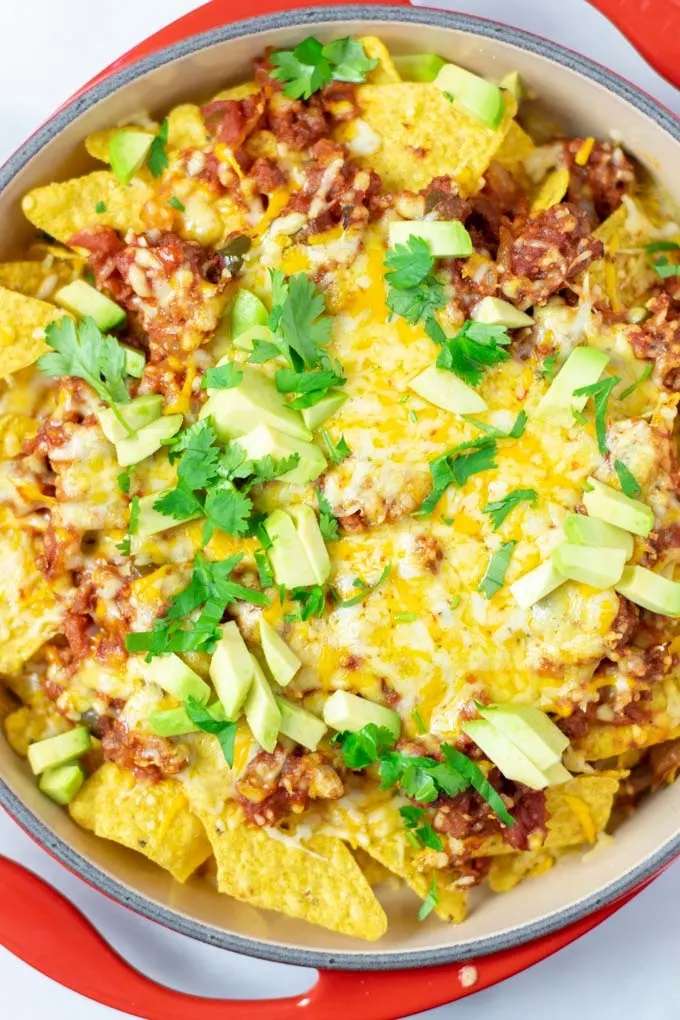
x=311, y=601
x=578, y=416
x=662, y=267
x=474, y=348
x=412, y=818
x=336, y=451
x=455, y=602
x=495, y=572
x=364, y=747
x=311, y=65
x=655, y=246
x=646, y=372
x=430, y=901
x=176, y=204
x=405, y=617
x=456, y=467
x=516, y=432
x=100, y=207
x=328, y=524
x=157, y=160
x=83, y=351
x=629, y=484
x=418, y=720
x=298, y=316
x=124, y=481
x=133, y=527
x=311, y=386
x=548, y=369
x=366, y=589
x=408, y=264
x=264, y=569
x=223, y=377
x=227, y=509
x=600, y=392
x=500, y=508
x=225, y=731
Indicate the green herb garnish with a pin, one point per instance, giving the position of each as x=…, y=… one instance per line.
x=494, y=577
x=500, y=508
x=336, y=451
x=430, y=901
x=176, y=204
x=328, y=524
x=100, y=207
x=629, y=485
x=413, y=293
x=225, y=731
x=223, y=377
x=366, y=589
x=157, y=159
x=456, y=467
x=473, y=349
x=311, y=65
x=646, y=372
x=600, y=392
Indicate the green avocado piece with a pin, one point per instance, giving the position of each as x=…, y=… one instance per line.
x=445, y=238
x=529, y=729
x=151, y=521
x=282, y=661
x=255, y=401
x=82, y=300
x=261, y=710
x=649, y=590
x=582, y=530
x=62, y=783
x=173, y=675
x=127, y=152
x=418, y=66
x=446, y=390
x=264, y=441
x=310, y=535
x=135, y=361
x=175, y=722
x=616, y=508
x=300, y=725
x=345, y=711
x=583, y=367
x=536, y=585
x=496, y=312
x=138, y=413
x=247, y=311
x=511, y=761
x=318, y=413
x=53, y=751
x=231, y=669
x=148, y=440
x=513, y=83
x=287, y=555
x=580, y=563
x=477, y=96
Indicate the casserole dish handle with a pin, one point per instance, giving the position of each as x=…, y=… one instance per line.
x=44, y=930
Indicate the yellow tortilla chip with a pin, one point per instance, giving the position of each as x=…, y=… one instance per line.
x=22, y=329
x=577, y=811
x=509, y=870
x=422, y=135
x=15, y=429
x=29, y=613
x=552, y=190
x=319, y=882
x=246, y=88
x=152, y=818
x=64, y=208
x=186, y=130
x=36, y=279
x=25, y=725
x=517, y=145
x=375, y=49
x=604, y=741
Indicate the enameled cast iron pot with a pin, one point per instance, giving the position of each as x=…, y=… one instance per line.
x=193, y=58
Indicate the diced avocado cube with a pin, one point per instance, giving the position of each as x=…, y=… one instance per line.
x=247, y=311
x=82, y=300
x=418, y=66
x=135, y=361
x=175, y=722
x=151, y=521
x=496, y=312
x=536, y=585
x=582, y=530
x=511, y=761
x=649, y=590
x=446, y=390
x=345, y=711
x=300, y=725
x=616, y=508
x=261, y=710
x=148, y=440
x=53, y=751
x=317, y=415
x=445, y=238
x=138, y=413
x=231, y=669
x=513, y=83
x=255, y=401
x=583, y=367
x=264, y=441
x=310, y=535
x=579, y=563
x=62, y=783
x=529, y=729
x=477, y=96
x=282, y=661
x=173, y=676
x=127, y=152
x=287, y=555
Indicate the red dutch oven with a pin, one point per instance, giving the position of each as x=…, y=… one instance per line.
x=192, y=58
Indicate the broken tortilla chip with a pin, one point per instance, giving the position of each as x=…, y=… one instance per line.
x=22, y=329
x=65, y=208
x=422, y=135
x=25, y=725
x=152, y=818
x=318, y=880
x=517, y=145
x=509, y=870
x=375, y=49
x=29, y=612
x=186, y=130
x=551, y=191
x=36, y=279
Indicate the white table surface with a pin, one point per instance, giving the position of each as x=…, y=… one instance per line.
x=628, y=968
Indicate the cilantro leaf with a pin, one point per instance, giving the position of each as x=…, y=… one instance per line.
x=478, y=781
x=100, y=207
x=311, y=66
x=263, y=351
x=124, y=480
x=223, y=377
x=328, y=524
x=198, y=466
x=500, y=508
x=408, y=264
x=412, y=818
x=548, y=370
x=264, y=570
x=227, y=509
x=225, y=731
x=494, y=577
x=456, y=467
x=662, y=267
x=646, y=372
x=416, y=303
x=176, y=203
x=179, y=503
x=312, y=386
x=311, y=601
x=364, y=747
x=348, y=60
x=474, y=348
x=629, y=484
x=303, y=324
x=83, y=351
x=366, y=590
x=517, y=430
x=430, y=901
x=157, y=159
x=336, y=451
x=267, y=468
x=600, y=392
x=654, y=246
